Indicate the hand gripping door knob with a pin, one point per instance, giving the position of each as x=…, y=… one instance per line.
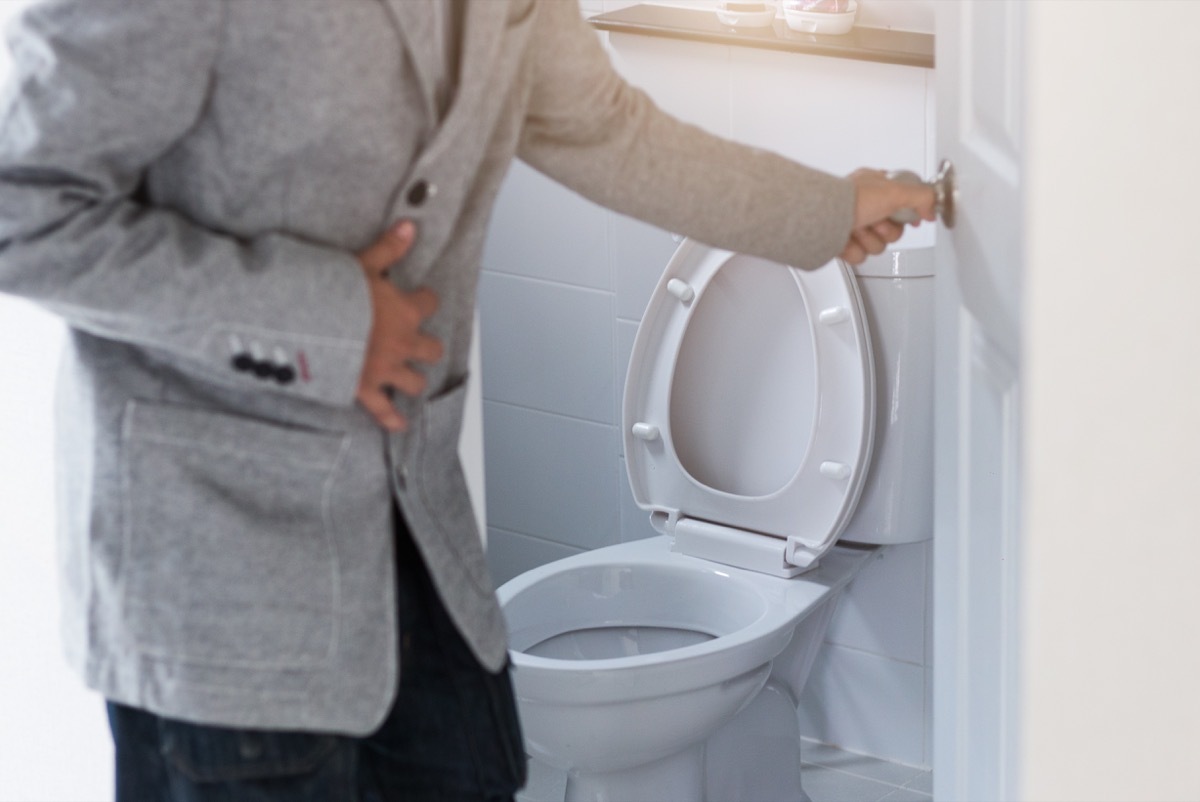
x=944, y=190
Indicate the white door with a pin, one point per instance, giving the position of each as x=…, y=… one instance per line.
x=980, y=98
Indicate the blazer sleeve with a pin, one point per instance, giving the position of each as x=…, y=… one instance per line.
x=588, y=129
x=99, y=90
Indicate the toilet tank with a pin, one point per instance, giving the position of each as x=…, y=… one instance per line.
x=896, y=505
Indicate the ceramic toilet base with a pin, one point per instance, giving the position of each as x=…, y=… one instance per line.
x=680, y=776
x=755, y=756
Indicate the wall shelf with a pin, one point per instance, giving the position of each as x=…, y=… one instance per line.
x=861, y=44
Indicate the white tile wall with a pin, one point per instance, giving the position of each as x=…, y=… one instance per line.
x=637, y=254
x=833, y=114
x=871, y=687
x=547, y=346
x=866, y=703
x=882, y=611
x=688, y=79
x=626, y=332
x=565, y=284
x=635, y=522
x=550, y=476
x=542, y=230
x=511, y=553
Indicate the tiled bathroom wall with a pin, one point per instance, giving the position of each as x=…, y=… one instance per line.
x=564, y=286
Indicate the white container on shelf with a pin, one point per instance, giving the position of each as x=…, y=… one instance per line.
x=804, y=17
x=746, y=13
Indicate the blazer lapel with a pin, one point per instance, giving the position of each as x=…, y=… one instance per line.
x=482, y=36
x=416, y=29
x=475, y=101
x=492, y=48
x=483, y=30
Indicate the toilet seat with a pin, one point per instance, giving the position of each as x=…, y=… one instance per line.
x=749, y=408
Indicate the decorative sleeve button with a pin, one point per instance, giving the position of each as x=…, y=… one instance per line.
x=277, y=368
x=285, y=374
x=242, y=362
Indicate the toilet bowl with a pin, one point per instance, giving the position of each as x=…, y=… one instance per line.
x=750, y=417
x=629, y=657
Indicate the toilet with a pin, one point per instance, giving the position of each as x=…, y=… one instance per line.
x=777, y=429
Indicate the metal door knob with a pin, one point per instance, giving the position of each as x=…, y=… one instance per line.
x=944, y=190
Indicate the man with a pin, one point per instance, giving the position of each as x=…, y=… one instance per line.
x=262, y=223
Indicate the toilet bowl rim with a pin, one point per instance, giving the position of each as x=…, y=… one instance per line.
x=548, y=680
x=783, y=600
x=787, y=602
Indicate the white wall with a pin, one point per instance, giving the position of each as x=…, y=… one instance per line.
x=1110, y=636
x=54, y=743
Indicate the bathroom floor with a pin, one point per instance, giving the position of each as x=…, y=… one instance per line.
x=829, y=775
x=832, y=775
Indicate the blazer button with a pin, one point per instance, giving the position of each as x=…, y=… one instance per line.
x=285, y=374
x=264, y=369
x=420, y=192
x=242, y=363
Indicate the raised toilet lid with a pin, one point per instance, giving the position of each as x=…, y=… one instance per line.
x=749, y=407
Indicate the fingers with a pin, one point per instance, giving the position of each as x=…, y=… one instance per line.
x=395, y=349
x=402, y=315
x=378, y=405
x=870, y=240
x=377, y=390
x=424, y=301
x=878, y=197
x=392, y=372
x=396, y=344
x=924, y=198
x=389, y=249
x=394, y=363
x=853, y=254
x=887, y=230
x=921, y=198
x=384, y=376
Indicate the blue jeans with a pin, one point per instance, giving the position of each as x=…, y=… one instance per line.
x=452, y=734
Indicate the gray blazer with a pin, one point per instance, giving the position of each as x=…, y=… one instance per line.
x=185, y=182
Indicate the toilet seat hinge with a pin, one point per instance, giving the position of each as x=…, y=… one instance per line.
x=800, y=554
x=754, y=551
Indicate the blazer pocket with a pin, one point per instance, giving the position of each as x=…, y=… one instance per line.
x=228, y=558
